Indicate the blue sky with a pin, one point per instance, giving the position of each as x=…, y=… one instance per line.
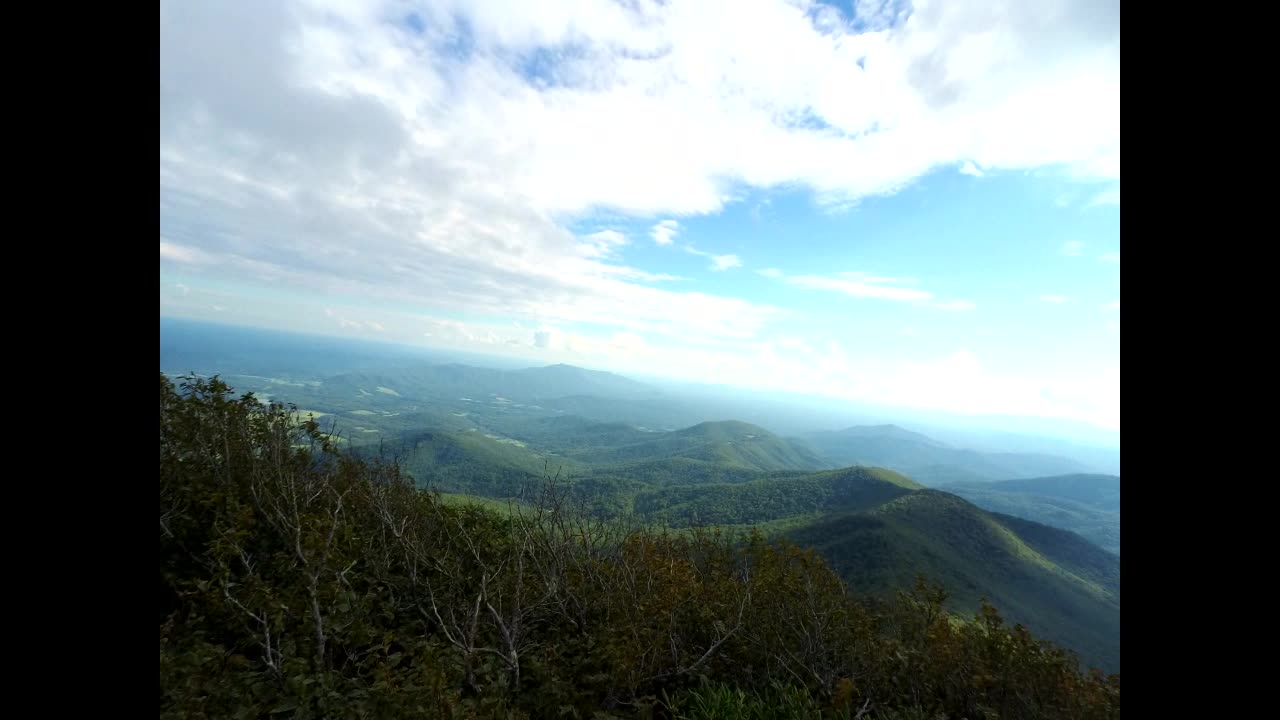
x=902, y=203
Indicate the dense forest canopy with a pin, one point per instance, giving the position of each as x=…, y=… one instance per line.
x=302, y=580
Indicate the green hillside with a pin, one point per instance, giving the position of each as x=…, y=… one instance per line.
x=569, y=433
x=1056, y=583
x=1098, y=491
x=300, y=580
x=878, y=527
x=475, y=463
x=1088, y=505
x=728, y=444
x=767, y=500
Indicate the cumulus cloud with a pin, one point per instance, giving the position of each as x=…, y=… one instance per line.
x=970, y=169
x=1073, y=248
x=644, y=107
x=770, y=272
x=664, y=232
x=338, y=148
x=719, y=263
x=724, y=262
x=602, y=243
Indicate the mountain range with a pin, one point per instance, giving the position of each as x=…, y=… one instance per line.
x=1035, y=533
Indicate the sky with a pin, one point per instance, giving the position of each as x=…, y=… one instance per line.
x=913, y=204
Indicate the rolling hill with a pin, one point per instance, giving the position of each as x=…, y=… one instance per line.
x=1088, y=505
x=476, y=463
x=729, y=444
x=1101, y=492
x=880, y=530
x=774, y=498
x=1056, y=583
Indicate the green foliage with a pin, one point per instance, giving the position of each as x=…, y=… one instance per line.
x=501, y=444
x=728, y=444
x=774, y=497
x=298, y=580
x=1051, y=580
x=1088, y=505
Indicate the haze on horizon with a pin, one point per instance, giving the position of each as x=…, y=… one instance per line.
x=908, y=204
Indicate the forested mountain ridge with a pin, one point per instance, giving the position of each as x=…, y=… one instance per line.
x=1085, y=504
x=301, y=581
x=688, y=477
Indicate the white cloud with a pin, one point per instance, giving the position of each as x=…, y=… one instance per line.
x=970, y=169
x=724, y=262
x=1073, y=248
x=656, y=107
x=549, y=338
x=602, y=244
x=1110, y=257
x=1053, y=299
x=181, y=254
x=862, y=285
x=664, y=232
x=719, y=263
x=771, y=272
x=320, y=147
x=1113, y=305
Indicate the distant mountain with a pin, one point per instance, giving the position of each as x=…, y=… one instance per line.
x=728, y=444
x=886, y=432
x=1088, y=505
x=571, y=433
x=1103, y=457
x=1098, y=491
x=553, y=381
x=928, y=460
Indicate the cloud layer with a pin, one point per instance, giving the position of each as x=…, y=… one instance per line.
x=432, y=154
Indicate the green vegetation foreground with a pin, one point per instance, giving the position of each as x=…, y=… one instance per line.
x=297, y=581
